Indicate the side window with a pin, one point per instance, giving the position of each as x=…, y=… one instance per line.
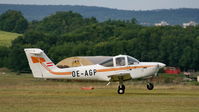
x=120, y=61
x=108, y=63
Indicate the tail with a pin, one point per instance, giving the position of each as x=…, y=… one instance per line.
x=40, y=65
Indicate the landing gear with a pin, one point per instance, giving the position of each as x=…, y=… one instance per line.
x=150, y=86
x=121, y=87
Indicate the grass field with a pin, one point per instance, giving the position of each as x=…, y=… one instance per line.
x=22, y=93
x=7, y=37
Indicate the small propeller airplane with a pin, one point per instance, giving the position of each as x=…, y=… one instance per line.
x=119, y=68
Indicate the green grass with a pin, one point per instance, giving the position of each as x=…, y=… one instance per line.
x=7, y=37
x=22, y=93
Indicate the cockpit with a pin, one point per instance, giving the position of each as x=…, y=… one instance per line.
x=120, y=60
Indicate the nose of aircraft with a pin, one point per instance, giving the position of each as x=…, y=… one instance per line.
x=161, y=65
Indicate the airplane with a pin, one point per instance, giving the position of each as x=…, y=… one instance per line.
x=119, y=68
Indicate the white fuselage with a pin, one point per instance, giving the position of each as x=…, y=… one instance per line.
x=98, y=72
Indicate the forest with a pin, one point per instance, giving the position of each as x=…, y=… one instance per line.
x=66, y=34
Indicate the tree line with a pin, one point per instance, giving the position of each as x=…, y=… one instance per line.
x=66, y=34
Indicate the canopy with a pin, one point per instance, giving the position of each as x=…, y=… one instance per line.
x=81, y=61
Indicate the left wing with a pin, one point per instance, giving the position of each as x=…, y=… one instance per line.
x=117, y=77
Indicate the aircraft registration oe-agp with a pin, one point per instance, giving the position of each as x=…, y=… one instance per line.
x=119, y=68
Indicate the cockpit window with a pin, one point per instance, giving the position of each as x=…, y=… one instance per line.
x=120, y=61
x=132, y=61
x=107, y=63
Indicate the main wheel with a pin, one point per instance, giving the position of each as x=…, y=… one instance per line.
x=121, y=89
x=150, y=86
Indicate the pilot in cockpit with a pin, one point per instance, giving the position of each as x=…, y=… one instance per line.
x=120, y=61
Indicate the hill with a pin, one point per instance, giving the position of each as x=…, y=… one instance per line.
x=7, y=37
x=172, y=16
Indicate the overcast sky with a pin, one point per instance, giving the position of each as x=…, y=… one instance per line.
x=117, y=4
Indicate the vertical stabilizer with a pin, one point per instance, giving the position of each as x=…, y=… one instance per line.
x=39, y=63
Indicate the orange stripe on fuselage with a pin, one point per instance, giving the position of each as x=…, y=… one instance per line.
x=56, y=73
x=100, y=70
x=41, y=60
x=122, y=68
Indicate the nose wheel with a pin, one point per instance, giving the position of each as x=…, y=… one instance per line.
x=150, y=86
x=121, y=87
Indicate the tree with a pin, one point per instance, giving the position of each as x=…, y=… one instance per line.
x=186, y=58
x=13, y=21
x=62, y=22
x=4, y=52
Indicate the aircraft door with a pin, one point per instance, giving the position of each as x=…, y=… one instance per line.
x=120, y=61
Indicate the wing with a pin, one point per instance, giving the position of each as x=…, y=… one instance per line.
x=116, y=77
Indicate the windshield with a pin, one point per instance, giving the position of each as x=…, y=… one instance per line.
x=132, y=61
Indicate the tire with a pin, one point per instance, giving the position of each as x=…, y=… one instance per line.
x=150, y=86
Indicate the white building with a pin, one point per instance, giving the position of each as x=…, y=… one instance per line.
x=162, y=23
x=191, y=23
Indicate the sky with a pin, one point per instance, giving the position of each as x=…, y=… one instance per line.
x=116, y=4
